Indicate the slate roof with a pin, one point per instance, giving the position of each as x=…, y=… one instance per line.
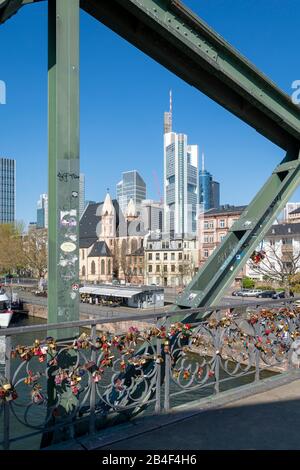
x=90, y=222
x=295, y=211
x=99, y=249
x=224, y=209
x=284, y=230
x=139, y=252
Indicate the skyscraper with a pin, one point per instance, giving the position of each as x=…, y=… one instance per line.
x=81, y=194
x=180, y=181
x=7, y=190
x=132, y=186
x=42, y=212
x=209, y=190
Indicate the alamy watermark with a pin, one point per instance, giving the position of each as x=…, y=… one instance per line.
x=2, y=92
x=296, y=93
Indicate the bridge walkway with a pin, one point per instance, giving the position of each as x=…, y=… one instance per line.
x=264, y=416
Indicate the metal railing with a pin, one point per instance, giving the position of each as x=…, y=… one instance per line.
x=66, y=388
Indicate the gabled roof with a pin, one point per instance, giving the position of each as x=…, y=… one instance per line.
x=284, y=230
x=99, y=249
x=90, y=222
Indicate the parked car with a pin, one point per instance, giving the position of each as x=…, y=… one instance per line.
x=240, y=292
x=279, y=295
x=251, y=293
x=265, y=294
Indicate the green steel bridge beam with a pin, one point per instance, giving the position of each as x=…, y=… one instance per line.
x=63, y=174
x=176, y=38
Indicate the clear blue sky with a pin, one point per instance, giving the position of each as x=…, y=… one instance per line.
x=124, y=94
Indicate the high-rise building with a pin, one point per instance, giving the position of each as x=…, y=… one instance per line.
x=81, y=194
x=152, y=215
x=180, y=182
x=42, y=212
x=132, y=186
x=209, y=190
x=7, y=190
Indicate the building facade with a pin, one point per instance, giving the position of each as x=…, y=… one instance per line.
x=170, y=263
x=107, y=237
x=180, y=186
x=42, y=212
x=152, y=215
x=132, y=186
x=7, y=190
x=282, y=248
x=213, y=228
x=209, y=190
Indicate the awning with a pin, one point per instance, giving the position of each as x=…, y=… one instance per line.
x=110, y=291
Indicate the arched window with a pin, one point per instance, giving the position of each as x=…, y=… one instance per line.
x=102, y=266
x=83, y=271
x=93, y=267
x=109, y=267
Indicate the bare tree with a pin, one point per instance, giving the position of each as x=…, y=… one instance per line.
x=11, y=258
x=278, y=265
x=34, y=252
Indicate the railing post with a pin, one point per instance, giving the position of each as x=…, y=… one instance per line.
x=167, y=375
x=217, y=351
x=257, y=365
x=92, y=420
x=158, y=375
x=6, y=403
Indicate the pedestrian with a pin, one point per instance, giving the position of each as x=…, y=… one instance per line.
x=291, y=293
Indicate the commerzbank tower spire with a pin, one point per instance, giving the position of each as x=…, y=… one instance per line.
x=168, y=117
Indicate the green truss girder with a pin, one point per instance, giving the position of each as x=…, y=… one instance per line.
x=175, y=37
x=218, y=273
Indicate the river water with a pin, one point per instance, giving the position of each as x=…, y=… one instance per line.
x=37, y=413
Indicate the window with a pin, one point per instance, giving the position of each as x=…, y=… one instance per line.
x=157, y=268
x=165, y=256
x=172, y=256
x=82, y=254
x=222, y=223
x=211, y=224
x=206, y=224
x=179, y=245
x=165, y=268
x=157, y=256
x=150, y=268
x=83, y=271
x=141, y=260
x=172, y=268
x=150, y=256
x=180, y=256
x=211, y=239
x=222, y=236
x=109, y=267
x=205, y=253
x=93, y=267
x=180, y=268
x=141, y=270
x=102, y=267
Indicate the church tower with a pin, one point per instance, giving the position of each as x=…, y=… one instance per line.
x=108, y=219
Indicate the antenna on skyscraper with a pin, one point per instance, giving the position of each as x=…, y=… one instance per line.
x=171, y=110
x=203, y=166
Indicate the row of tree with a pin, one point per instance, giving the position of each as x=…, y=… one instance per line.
x=22, y=254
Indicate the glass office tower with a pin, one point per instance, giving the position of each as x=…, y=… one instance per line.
x=132, y=186
x=7, y=190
